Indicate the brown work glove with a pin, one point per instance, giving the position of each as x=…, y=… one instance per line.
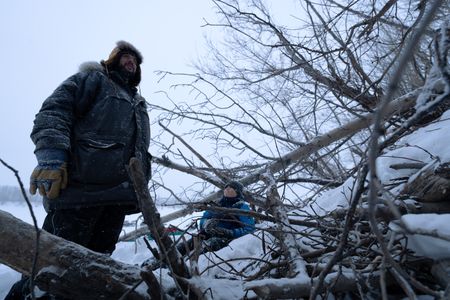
x=49, y=178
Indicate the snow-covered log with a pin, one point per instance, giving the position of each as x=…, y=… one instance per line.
x=65, y=268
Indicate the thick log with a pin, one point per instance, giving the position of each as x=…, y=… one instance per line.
x=64, y=268
x=430, y=184
x=387, y=215
x=429, y=207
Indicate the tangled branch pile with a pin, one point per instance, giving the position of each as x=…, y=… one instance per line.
x=307, y=92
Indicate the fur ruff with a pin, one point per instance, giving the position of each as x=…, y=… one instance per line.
x=90, y=66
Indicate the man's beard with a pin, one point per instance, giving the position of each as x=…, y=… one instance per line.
x=125, y=74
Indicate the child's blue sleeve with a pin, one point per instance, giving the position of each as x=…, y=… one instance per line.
x=206, y=215
x=247, y=223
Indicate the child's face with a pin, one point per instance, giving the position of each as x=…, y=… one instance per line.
x=229, y=192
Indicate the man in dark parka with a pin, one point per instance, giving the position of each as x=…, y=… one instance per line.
x=85, y=134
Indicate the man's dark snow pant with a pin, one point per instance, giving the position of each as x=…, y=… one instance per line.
x=96, y=228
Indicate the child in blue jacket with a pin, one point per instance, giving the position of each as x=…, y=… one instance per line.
x=218, y=229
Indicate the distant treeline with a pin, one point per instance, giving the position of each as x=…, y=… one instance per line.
x=13, y=194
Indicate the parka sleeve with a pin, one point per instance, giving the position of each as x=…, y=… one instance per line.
x=53, y=124
x=247, y=222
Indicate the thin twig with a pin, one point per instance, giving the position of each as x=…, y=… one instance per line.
x=38, y=232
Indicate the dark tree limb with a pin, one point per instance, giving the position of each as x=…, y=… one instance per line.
x=152, y=218
x=36, y=227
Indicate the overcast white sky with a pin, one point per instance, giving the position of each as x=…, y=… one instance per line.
x=44, y=42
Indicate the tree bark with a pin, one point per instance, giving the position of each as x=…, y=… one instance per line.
x=441, y=271
x=64, y=268
x=430, y=184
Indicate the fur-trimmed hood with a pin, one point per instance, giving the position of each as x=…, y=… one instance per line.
x=124, y=47
x=112, y=62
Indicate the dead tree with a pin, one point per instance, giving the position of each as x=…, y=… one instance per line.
x=287, y=85
x=316, y=144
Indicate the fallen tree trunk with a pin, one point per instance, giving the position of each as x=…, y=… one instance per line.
x=386, y=214
x=64, y=268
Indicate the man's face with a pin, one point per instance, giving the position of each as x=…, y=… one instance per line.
x=128, y=62
x=229, y=192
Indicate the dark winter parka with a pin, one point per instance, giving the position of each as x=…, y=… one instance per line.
x=101, y=123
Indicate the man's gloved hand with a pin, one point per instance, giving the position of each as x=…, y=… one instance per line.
x=50, y=175
x=212, y=228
